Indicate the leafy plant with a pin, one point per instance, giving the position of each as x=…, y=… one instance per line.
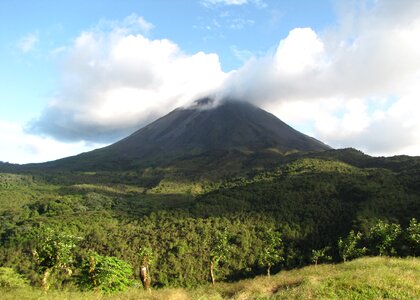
x=105, y=274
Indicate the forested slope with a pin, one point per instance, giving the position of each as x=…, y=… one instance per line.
x=306, y=203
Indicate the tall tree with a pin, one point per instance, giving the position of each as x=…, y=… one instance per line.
x=146, y=260
x=219, y=251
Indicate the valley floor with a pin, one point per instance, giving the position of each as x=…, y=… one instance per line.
x=364, y=278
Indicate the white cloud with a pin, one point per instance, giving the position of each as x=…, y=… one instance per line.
x=328, y=83
x=28, y=42
x=301, y=50
x=242, y=54
x=114, y=82
x=17, y=146
x=391, y=129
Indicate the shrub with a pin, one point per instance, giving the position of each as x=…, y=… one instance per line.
x=9, y=278
x=348, y=248
x=105, y=273
x=321, y=255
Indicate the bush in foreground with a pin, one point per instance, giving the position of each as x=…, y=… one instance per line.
x=10, y=279
x=105, y=274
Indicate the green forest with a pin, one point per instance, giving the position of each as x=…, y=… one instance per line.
x=156, y=227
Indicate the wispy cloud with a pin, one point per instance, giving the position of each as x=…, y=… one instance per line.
x=28, y=42
x=209, y=3
x=240, y=23
x=241, y=54
x=132, y=24
x=212, y=3
x=57, y=51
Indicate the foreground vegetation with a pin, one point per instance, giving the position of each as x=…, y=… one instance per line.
x=364, y=278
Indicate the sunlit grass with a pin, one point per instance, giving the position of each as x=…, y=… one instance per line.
x=116, y=189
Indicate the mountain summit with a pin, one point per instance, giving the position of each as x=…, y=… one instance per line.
x=230, y=125
x=202, y=128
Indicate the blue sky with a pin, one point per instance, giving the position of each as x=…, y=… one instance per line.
x=81, y=74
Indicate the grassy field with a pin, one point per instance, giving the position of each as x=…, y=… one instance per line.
x=365, y=278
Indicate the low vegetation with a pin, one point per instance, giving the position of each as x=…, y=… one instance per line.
x=365, y=278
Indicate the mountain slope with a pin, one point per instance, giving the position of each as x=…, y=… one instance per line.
x=232, y=127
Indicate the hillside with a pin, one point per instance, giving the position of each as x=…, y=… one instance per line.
x=367, y=278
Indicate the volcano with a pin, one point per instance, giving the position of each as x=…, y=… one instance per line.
x=230, y=127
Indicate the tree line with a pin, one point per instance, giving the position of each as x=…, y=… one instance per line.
x=56, y=257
